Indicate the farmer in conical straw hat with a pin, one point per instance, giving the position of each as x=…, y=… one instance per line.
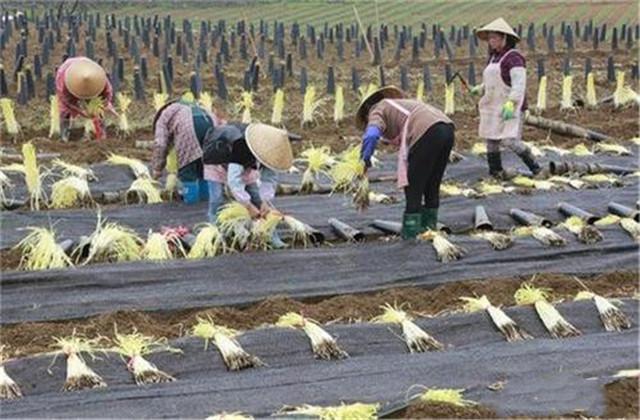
x=504, y=101
x=246, y=158
x=425, y=137
x=79, y=80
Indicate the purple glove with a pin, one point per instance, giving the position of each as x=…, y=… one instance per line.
x=369, y=142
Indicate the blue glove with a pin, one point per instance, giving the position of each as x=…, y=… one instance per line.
x=369, y=142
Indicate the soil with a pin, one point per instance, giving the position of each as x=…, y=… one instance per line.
x=34, y=117
x=423, y=410
x=622, y=399
x=10, y=259
x=35, y=337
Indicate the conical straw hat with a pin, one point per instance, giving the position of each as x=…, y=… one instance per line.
x=270, y=146
x=386, y=92
x=85, y=79
x=498, y=25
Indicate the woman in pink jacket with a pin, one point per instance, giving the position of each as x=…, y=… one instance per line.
x=78, y=80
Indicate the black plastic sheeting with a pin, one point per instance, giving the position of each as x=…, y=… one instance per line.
x=113, y=178
x=244, y=278
x=541, y=377
x=456, y=212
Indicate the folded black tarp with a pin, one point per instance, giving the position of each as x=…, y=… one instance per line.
x=243, y=278
x=456, y=212
x=540, y=377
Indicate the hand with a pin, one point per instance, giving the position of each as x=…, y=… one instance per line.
x=253, y=211
x=476, y=90
x=264, y=209
x=369, y=142
x=508, y=110
x=156, y=174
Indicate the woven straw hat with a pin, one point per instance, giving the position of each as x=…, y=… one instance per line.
x=85, y=79
x=498, y=25
x=270, y=146
x=386, y=92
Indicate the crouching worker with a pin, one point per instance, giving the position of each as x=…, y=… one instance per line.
x=183, y=125
x=425, y=137
x=78, y=81
x=246, y=158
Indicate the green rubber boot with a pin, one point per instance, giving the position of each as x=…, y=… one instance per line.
x=411, y=225
x=429, y=219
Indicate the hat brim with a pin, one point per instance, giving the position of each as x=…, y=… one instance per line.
x=387, y=92
x=483, y=34
x=280, y=165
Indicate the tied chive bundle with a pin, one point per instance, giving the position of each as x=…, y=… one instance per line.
x=135, y=347
x=234, y=222
x=9, y=389
x=278, y=107
x=145, y=190
x=263, y=229
x=445, y=250
x=506, y=325
x=111, y=242
x=138, y=168
x=553, y=321
x=324, y=346
x=356, y=411
x=542, y=234
x=8, y=115
x=40, y=251
x=209, y=242
x=123, y=106
x=612, y=317
x=416, y=338
x=235, y=358
x=318, y=161
x=70, y=191
x=79, y=374
x=584, y=232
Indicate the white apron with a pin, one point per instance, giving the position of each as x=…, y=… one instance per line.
x=496, y=93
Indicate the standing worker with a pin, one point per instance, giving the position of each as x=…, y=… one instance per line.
x=78, y=80
x=502, y=107
x=425, y=136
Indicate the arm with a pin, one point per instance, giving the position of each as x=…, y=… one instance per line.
x=238, y=189
x=369, y=142
x=518, y=84
x=161, y=144
x=268, y=184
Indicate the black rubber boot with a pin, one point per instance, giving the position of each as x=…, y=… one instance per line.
x=529, y=160
x=494, y=159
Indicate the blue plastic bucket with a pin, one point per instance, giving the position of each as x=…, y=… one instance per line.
x=191, y=192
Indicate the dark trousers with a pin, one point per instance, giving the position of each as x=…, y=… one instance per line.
x=428, y=158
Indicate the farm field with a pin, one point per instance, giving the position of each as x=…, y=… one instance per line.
x=531, y=313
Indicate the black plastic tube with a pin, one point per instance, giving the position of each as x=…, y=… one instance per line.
x=346, y=232
x=387, y=226
x=529, y=219
x=624, y=211
x=481, y=219
x=571, y=210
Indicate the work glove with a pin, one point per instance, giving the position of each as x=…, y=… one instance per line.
x=508, y=109
x=369, y=142
x=476, y=90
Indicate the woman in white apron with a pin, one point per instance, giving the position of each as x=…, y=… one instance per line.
x=502, y=107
